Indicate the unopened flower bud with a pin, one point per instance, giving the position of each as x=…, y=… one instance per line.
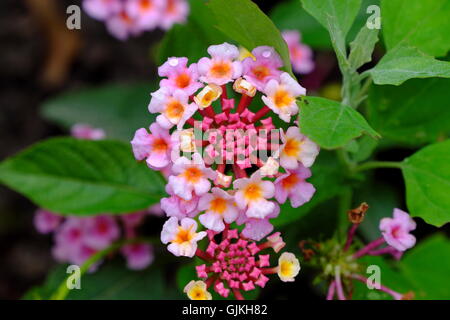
x=208, y=95
x=244, y=87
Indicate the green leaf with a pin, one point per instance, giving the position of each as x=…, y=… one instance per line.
x=200, y=31
x=422, y=270
x=330, y=124
x=243, y=22
x=326, y=177
x=403, y=63
x=422, y=24
x=413, y=114
x=82, y=177
x=427, y=267
x=427, y=178
x=291, y=16
x=337, y=17
x=118, y=109
x=362, y=47
x=112, y=281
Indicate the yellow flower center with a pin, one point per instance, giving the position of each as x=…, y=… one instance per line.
x=286, y=268
x=193, y=174
x=282, y=98
x=252, y=192
x=197, y=293
x=218, y=205
x=292, y=147
x=183, y=235
x=174, y=110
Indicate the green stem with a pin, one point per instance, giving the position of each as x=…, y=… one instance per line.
x=345, y=204
x=378, y=164
x=63, y=290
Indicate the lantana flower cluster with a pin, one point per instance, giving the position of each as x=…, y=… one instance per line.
x=78, y=238
x=341, y=264
x=125, y=18
x=227, y=161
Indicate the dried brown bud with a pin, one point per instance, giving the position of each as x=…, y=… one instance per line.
x=357, y=215
x=307, y=252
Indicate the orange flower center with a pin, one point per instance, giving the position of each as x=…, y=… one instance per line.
x=125, y=17
x=221, y=69
x=290, y=181
x=193, y=174
x=183, y=80
x=145, y=5
x=159, y=145
x=174, y=110
x=218, y=205
x=183, y=235
x=171, y=7
x=282, y=98
x=261, y=72
x=292, y=148
x=252, y=192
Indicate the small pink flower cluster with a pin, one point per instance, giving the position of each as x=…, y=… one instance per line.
x=396, y=234
x=232, y=182
x=301, y=55
x=77, y=239
x=126, y=18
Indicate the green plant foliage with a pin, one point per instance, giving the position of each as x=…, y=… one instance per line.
x=412, y=114
x=403, y=63
x=422, y=24
x=199, y=31
x=76, y=177
x=113, y=281
x=330, y=124
x=327, y=178
x=427, y=177
x=243, y=22
x=118, y=109
x=421, y=271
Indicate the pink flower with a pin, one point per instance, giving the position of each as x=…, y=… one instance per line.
x=155, y=147
x=100, y=231
x=176, y=206
x=219, y=206
x=84, y=131
x=182, y=237
x=263, y=67
x=175, y=11
x=222, y=67
x=251, y=196
x=121, y=25
x=173, y=106
x=179, y=76
x=45, y=221
x=101, y=9
x=396, y=230
x=300, y=54
x=296, y=149
x=257, y=229
x=147, y=13
x=139, y=255
x=281, y=96
x=292, y=185
x=191, y=176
